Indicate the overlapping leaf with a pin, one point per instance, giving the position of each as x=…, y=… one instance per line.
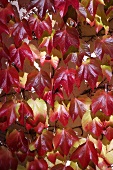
x=64, y=139
x=102, y=101
x=48, y=43
x=64, y=77
x=53, y=60
x=20, y=31
x=59, y=113
x=94, y=126
x=67, y=36
x=18, y=55
x=6, y=13
x=84, y=153
x=42, y=5
x=16, y=140
x=9, y=78
x=89, y=70
x=78, y=107
x=39, y=26
x=43, y=143
x=8, y=111
x=25, y=111
x=109, y=133
x=104, y=46
x=50, y=95
x=37, y=164
x=76, y=58
x=61, y=167
x=7, y=161
x=38, y=80
x=91, y=5
x=39, y=108
x=62, y=5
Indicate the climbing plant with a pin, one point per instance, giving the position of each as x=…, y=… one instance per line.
x=56, y=85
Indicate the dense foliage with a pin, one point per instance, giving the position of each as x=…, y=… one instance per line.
x=56, y=99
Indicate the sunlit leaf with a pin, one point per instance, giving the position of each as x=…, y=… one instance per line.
x=38, y=80
x=78, y=107
x=67, y=36
x=84, y=153
x=66, y=78
x=43, y=143
x=42, y=5
x=37, y=164
x=9, y=78
x=89, y=71
x=20, y=31
x=18, y=55
x=9, y=112
x=64, y=139
x=25, y=111
x=62, y=5
x=59, y=113
x=104, y=46
x=39, y=26
x=102, y=100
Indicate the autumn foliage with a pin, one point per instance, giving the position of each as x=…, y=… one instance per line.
x=56, y=85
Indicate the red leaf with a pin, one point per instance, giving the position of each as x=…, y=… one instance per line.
x=76, y=58
x=43, y=143
x=67, y=36
x=39, y=128
x=25, y=111
x=6, y=13
x=63, y=5
x=59, y=113
x=3, y=3
x=64, y=139
x=109, y=133
x=18, y=55
x=89, y=70
x=37, y=164
x=39, y=108
x=91, y=6
x=48, y=43
x=104, y=46
x=102, y=100
x=52, y=156
x=96, y=127
x=77, y=108
x=42, y=6
x=4, y=52
x=61, y=167
x=20, y=31
x=50, y=96
x=39, y=26
x=8, y=110
x=38, y=80
x=7, y=161
x=3, y=28
x=66, y=78
x=16, y=140
x=9, y=78
x=53, y=60
x=84, y=153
